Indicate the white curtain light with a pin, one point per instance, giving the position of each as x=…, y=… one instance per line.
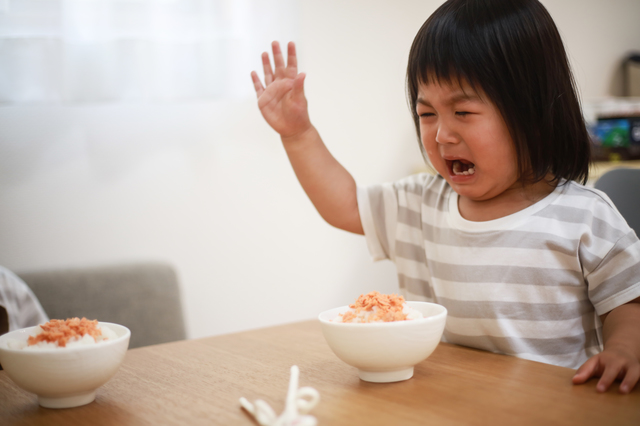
x=67, y=51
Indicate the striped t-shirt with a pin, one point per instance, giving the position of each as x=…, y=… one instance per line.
x=531, y=284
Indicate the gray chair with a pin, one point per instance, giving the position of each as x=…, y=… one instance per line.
x=623, y=187
x=145, y=297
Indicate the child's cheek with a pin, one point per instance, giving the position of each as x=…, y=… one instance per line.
x=432, y=151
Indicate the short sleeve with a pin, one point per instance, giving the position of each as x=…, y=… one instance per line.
x=378, y=208
x=612, y=267
x=616, y=280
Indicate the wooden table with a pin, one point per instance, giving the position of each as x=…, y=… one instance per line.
x=199, y=382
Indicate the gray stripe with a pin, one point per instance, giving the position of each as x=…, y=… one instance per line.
x=602, y=229
x=577, y=344
x=415, y=286
x=409, y=217
x=564, y=213
x=376, y=201
x=592, y=261
x=502, y=239
x=507, y=274
x=492, y=273
x=616, y=284
x=429, y=188
x=517, y=310
x=436, y=194
x=410, y=251
x=411, y=184
x=432, y=198
x=505, y=239
x=568, y=214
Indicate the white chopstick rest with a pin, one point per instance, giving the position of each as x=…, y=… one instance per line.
x=299, y=403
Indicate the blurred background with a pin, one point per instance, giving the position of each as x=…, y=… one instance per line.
x=129, y=131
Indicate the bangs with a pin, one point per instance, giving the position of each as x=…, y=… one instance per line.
x=443, y=54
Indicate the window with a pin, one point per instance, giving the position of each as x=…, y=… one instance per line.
x=67, y=51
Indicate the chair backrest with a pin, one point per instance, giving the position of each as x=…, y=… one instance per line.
x=145, y=297
x=623, y=187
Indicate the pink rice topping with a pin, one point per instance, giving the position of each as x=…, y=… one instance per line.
x=61, y=331
x=388, y=307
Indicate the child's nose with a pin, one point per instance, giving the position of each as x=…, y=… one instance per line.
x=446, y=135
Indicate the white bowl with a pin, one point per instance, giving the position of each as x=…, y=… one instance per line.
x=385, y=352
x=64, y=377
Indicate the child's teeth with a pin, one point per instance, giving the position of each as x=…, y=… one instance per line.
x=457, y=169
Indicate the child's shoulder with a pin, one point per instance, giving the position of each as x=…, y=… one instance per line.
x=585, y=196
x=591, y=202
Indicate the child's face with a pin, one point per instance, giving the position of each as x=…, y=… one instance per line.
x=467, y=140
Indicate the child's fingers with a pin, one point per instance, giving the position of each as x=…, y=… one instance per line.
x=610, y=373
x=630, y=379
x=278, y=60
x=586, y=370
x=298, y=85
x=256, y=83
x=292, y=60
x=266, y=65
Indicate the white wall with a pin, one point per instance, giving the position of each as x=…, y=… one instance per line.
x=207, y=187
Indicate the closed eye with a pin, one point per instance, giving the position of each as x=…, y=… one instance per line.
x=462, y=113
x=427, y=114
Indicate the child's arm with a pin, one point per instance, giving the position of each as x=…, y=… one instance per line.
x=620, y=358
x=283, y=105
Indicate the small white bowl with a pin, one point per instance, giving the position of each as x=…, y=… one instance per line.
x=64, y=377
x=385, y=352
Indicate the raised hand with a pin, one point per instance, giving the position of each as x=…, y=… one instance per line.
x=282, y=102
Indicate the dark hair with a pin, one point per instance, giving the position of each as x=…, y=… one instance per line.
x=511, y=50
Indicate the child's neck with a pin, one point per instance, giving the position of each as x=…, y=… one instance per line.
x=509, y=202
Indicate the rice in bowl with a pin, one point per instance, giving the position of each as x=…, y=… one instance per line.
x=377, y=307
x=59, y=334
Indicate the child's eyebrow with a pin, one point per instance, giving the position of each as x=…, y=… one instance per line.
x=422, y=101
x=458, y=97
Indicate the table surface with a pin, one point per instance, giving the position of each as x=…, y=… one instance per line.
x=200, y=381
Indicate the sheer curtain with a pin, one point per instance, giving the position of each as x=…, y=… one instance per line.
x=67, y=51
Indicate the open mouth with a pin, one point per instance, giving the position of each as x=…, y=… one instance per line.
x=462, y=167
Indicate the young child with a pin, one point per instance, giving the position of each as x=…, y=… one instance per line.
x=527, y=261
